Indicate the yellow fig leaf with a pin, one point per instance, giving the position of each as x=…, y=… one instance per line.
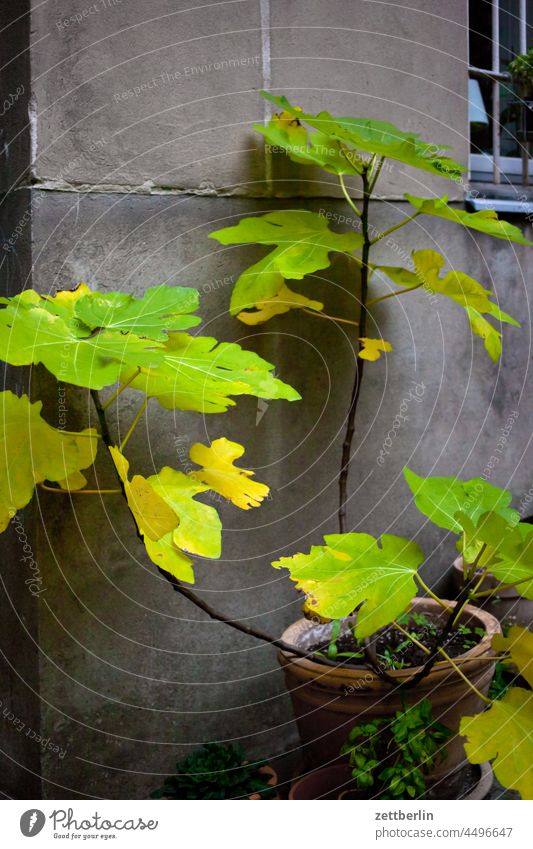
x=169, y=518
x=357, y=569
x=31, y=451
x=372, y=348
x=200, y=529
x=165, y=554
x=503, y=734
x=153, y=516
x=220, y=475
x=519, y=644
x=283, y=301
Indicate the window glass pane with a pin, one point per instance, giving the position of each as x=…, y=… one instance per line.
x=480, y=17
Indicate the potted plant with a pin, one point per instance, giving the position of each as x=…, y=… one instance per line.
x=219, y=772
x=387, y=657
x=390, y=759
x=521, y=70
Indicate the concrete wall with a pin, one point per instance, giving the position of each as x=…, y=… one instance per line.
x=126, y=189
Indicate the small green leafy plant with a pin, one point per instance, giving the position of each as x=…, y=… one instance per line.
x=390, y=758
x=521, y=70
x=215, y=772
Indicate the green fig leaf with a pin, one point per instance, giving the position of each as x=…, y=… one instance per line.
x=357, y=569
x=486, y=220
x=162, y=308
x=199, y=529
x=442, y=498
x=31, y=333
x=285, y=133
x=303, y=243
x=198, y=374
x=375, y=137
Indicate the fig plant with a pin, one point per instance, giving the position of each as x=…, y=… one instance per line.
x=303, y=241
x=355, y=571
x=114, y=341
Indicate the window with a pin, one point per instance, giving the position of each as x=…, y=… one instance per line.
x=499, y=30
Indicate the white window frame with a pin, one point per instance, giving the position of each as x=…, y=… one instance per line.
x=497, y=164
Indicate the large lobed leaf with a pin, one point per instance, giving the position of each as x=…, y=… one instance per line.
x=285, y=132
x=86, y=338
x=375, y=137
x=31, y=451
x=486, y=220
x=441, y=499
x=518, y=643
x=460, y=288
x=169, y=520
x=503, y=734
x=198, y=374
x=357, y=569
x=509, y=549
x=220, y=474
x=303, y=243
x=161, y=309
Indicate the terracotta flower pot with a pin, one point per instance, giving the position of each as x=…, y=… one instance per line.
x=336, y=782
x=329, y=700
x=509, y=607
x=272, y=781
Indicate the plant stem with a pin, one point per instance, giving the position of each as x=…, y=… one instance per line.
x=121, y=389
x=396, y=227
x=480, y=581
x=463, y=676
x=359, y=363
x=330, y=317
x=471, y=568
x=102, y=420
x=375, y=174
x=80, y=491
x=185, y=591
x=234, y=623
x=134, y=424
x=82, y=435
x=500, y=587
x=349, y=201
x=413, y=639
x=440, y=639
x=374, y=301
x=431, y=593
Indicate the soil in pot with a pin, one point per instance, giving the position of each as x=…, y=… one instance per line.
x=393, y=649
x=330, y=699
